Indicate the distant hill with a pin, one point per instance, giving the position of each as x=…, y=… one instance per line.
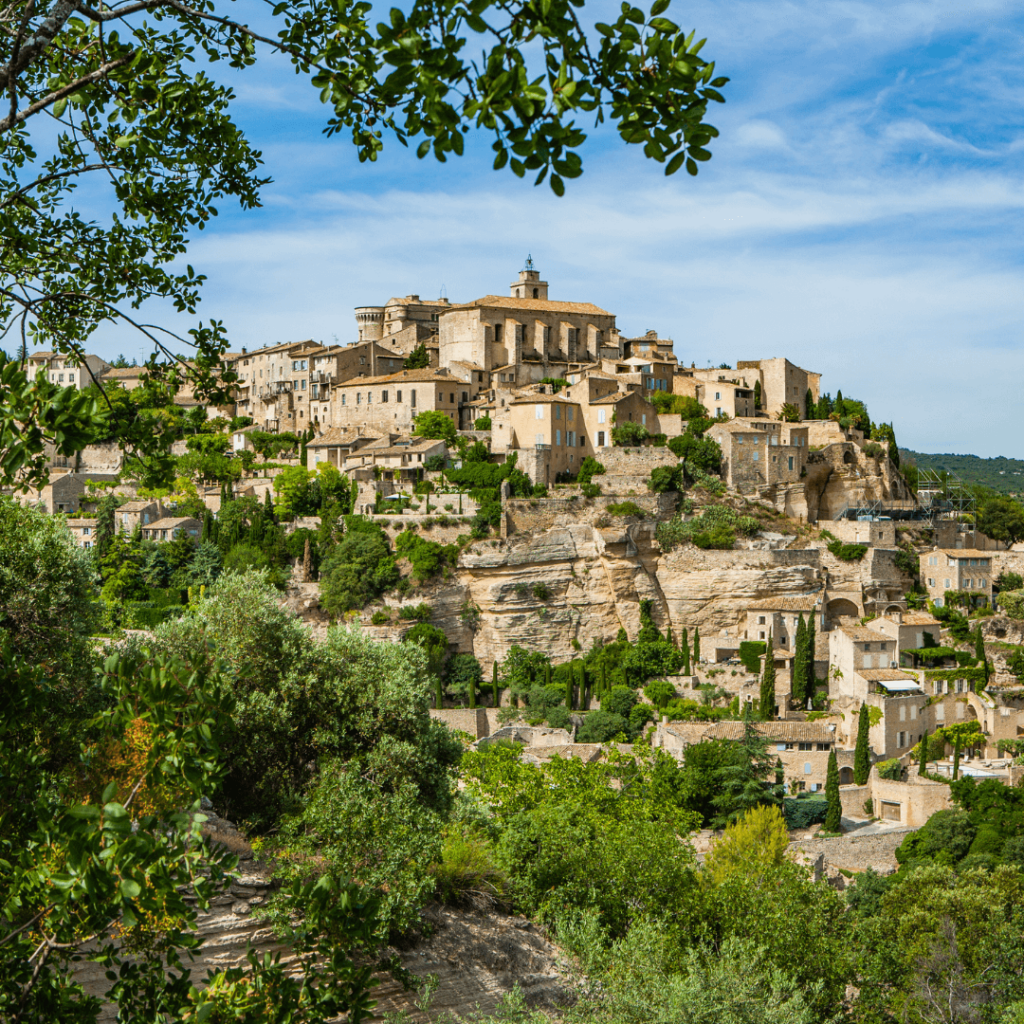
x=1003, y=475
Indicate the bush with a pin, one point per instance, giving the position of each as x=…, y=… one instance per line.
x=659, y=692
x=804, y=813
x=432, y=463
x=891, y=769
x=629, y=435
x=380, y=617
x=482, y=423
x=685, y=406
x=466, y=874
x=600, y=727
x=541, y=591
x=359, y=568
x=750, y=654
x=419, y=612
x=426, y=557
x=626, y=508
x=436, y=425
x=244, y=557
x=558, y=718
x=590, y=490
x=666, y=478
x=620, y=701
x=589, y=468
x=462, y=670
x=698, y=453
x=847, y=552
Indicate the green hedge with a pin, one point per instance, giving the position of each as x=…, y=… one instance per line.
x=804, y=813
x=750, y=654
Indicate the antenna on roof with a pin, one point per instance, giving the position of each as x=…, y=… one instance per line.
x=444, y=292
x=529, y=262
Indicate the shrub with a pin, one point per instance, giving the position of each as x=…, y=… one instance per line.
x=629, y=435
x=432, y=463
x=703, y=454
x=620, y=701
x=666, y=478
x=847, y=552
x=750, y=654
x=482, y=423
x=558, y=717
x=541, y=591
x=626, y=508
x=600, y=727
x=685, y=406
x=466, y=874
x=380, y=617
x=804, y=813
x=891, y=769
x=437, y=425
x=589, y=468
x=419, y=612
x=590, y=490
x=873, y=450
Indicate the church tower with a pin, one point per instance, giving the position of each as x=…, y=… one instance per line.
x=529, y=285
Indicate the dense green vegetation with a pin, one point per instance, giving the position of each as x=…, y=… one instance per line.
x=1001, y=474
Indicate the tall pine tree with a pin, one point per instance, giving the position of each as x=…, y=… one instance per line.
x=862, y=752
x=696, y=646
x=569, y=681
x=686, y=652
x=811, y=682
x=798, y=682
x=767, y=703
x=834, y=814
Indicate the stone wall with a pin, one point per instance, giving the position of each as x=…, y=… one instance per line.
x=537, y=515
x=635, y=461
x=857, y=853
x=478, y=722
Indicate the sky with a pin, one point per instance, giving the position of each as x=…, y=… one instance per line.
x=862, y=215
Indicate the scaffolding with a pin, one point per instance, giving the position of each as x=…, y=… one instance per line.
x=944, y=495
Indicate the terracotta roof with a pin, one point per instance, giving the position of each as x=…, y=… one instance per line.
x=860, y=634
x=334, y=438
x=916, y=619
x=885, y=675
x=137, y=506
x=540, y=305
x=73, y=523
x=963, y=552
x=787, y=604
x=427, y=375
x=170, y=523
x=586, y=752
x=124, y=372
x=541, y=399
x=612, y=399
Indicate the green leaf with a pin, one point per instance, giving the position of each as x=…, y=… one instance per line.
x=123, y=141
x=130, y=889
x=691, y=167
x=109, y=792
x=59, y=107
x=660, y=6
x=675, y=163
x=557, y=185
x=87, y=811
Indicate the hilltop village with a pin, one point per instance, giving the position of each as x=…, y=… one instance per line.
x=571, y=548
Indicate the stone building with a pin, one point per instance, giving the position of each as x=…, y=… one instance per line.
x=400, y=456
x=644, y=374
x=391, y=403
x=83, y=531
x=909, y=629
x=554, y=426
x=526, y=334
x=274, y=385
x=170, y=527
x=760, y=453
x=802, y=747
x=965, y=569
x=338, y=365
x=781, y=383
x=402, y=324
x=779, y=617
x=65, y=370
x=649, y=347
x=140, y=512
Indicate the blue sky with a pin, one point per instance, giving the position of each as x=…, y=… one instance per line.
x=862, y=215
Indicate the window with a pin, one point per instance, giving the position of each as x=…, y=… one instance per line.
x=60, y=377
x=807, y=765
x=398, y=396
x=479, y=378
x=412, y=398
x=757, y=456
x=343, y=396
x=538, y=412
x=71, y=378
x=570, y=438
x=369, y=397
x=823, y=746
x=718, y=396
x=383, y=396
x=947, y=584
x=791, y=463
x=85, y=531
x=558, y=437
x=497, y=334
x=303, y=386
x=569, y=413
x=643, y=419
x=931, y=582
x=601, y=415
x=359, y=398
x=465, y=396
x=600, y=439
x=87, y=544
x=760, y=620
x=583, y=440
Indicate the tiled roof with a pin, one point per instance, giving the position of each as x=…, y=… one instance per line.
x=540, y=305
x=612, y=399
x=885, y=675
x=964, y=552
x=124, y=372
x=427, y=375
x=169, y=523
x=862, y=635
x=137, y=505
x=917, y=619
x=541, y=399
x=787, y=604
x=78, y=523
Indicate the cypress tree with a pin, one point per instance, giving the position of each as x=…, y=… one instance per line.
x=696, y=646
x=798, y=682
x=979, y=653
x=668, y=636
x=494, y=682
x=547, y=673
x=686, y=652
x=584, y=695
x=757, y=394
x=268, y=505
x=862, y=752
x=956, y=758
x=834, y=814
x=472, y=692
x=811, y=683
x=570, y=679
x=440, y=693
x=767, y=702
x=923, y=764
x=603, y=684
x=808, y=404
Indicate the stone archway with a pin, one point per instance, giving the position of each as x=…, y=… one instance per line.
x=847, y=458
x=845, y=776
x=841, y=608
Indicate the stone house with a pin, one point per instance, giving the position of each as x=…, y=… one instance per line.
x=908, y=629
x=966, y=569
x=140, y=512
x=67, y=370
x=401, y=454
x=526, y=334
x=649, y=347
x=644, y=374
x=402, y=323
x=170, y=527
x=759, y=453
x=554, y=426
x=781, y=382
x=334, y=446
x=128, y=377
x=66, y=491
x=83, y=531
x=718, y=390
x=336, y=365
x=779, y=616
x=391, y=403
x=274, y=384
x=802, y=747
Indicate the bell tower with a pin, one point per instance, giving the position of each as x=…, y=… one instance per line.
x=529, y=285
